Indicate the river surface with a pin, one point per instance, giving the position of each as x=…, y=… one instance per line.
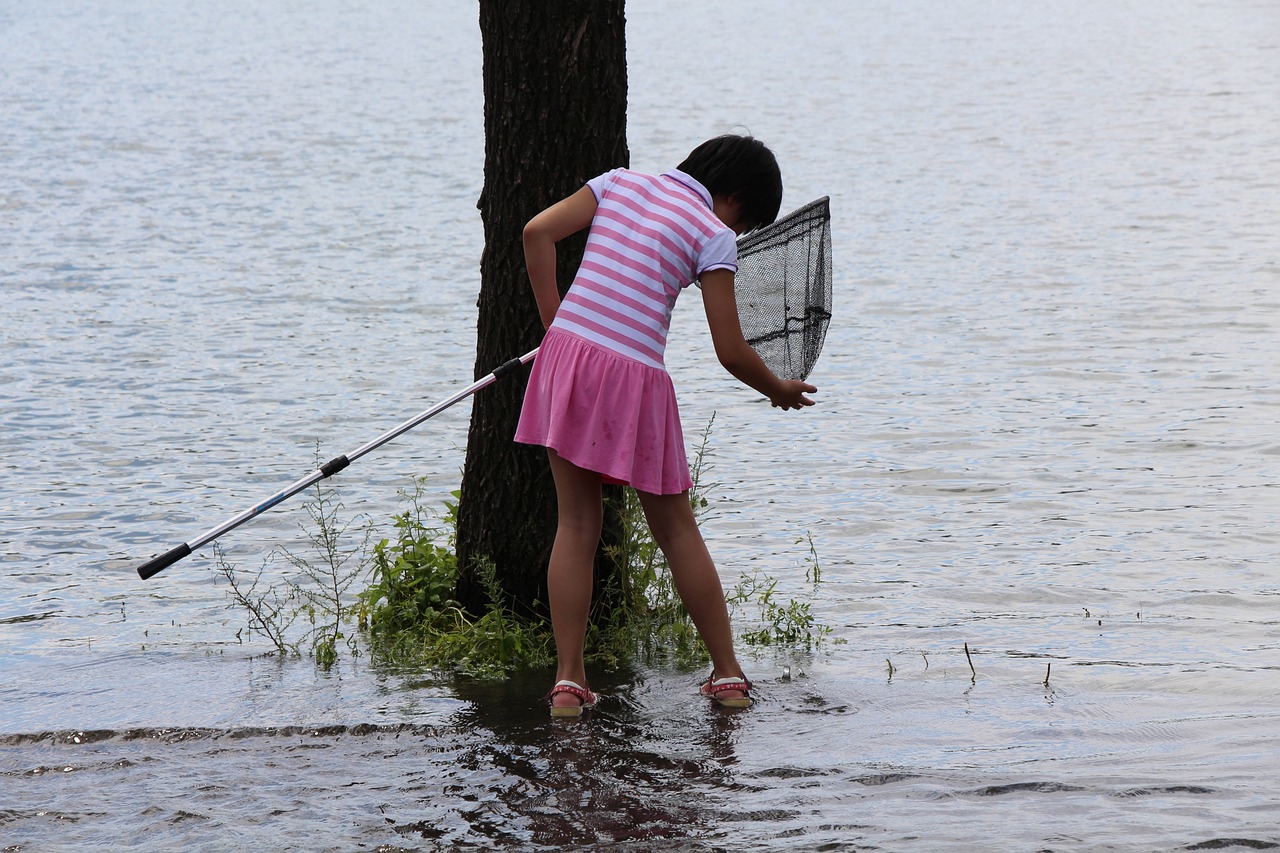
x=234, y=235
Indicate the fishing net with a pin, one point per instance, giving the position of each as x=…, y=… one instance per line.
x=783, y=289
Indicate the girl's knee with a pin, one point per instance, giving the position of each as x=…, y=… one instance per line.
x=585, y=524
x=670, y=517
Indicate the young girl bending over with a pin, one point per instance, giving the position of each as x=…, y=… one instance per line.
x=599, y=397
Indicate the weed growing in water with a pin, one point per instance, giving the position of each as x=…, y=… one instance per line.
x=270, y=613
x=324, y=592
x=413, y=616
x=320, y=588
x=789, y=624
x=778, y=624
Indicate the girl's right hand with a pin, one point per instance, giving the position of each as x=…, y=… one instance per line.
x=791, y=395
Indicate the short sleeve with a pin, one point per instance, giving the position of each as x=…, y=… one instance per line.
x=600, y=183
x=719, y=253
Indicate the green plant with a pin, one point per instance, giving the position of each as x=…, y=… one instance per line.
x=325, y=581
x=812, y=571
x=412, y=616
x=270, y=612
x=320, y=588
x=494, y=643
x=790, y=623
x=414, y=576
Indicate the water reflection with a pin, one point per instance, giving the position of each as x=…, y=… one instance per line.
x=628, y=771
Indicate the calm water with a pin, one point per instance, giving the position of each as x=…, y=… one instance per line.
x=1048, y=430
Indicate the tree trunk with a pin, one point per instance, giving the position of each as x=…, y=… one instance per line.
x=555, y=94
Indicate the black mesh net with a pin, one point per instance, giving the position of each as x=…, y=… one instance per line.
x=783, y=289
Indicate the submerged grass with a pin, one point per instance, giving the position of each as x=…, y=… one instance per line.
x=409, y=615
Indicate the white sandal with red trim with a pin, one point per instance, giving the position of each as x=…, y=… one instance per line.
x=585, y=697
x=713, y=687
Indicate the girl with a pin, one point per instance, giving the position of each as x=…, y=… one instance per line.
x=599, y=397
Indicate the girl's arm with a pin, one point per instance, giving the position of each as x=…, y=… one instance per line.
x=565, y=217
x=735, y=354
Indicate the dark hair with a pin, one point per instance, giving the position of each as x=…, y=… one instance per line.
x=739, y=167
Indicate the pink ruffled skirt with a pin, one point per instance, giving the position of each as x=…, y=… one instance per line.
x=607, y=413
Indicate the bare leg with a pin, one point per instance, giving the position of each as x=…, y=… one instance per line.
x=676, y=531
x=581, y=515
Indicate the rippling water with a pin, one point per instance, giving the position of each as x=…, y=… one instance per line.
x=1048, y=429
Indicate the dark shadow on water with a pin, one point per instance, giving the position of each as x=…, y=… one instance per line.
x=648, y=768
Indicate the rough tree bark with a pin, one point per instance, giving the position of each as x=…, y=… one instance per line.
x=555, y=94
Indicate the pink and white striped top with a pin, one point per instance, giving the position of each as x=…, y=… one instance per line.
x=652, y=236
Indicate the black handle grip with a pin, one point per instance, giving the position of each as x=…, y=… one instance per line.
x=164, y=561
x=334, y=465
x=507, y=367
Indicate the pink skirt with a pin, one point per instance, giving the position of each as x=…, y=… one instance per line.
x=606, y=413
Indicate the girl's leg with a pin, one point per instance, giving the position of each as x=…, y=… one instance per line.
x=676, y=531
x=581, y=514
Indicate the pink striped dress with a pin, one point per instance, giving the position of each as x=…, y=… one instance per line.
x=599, y=393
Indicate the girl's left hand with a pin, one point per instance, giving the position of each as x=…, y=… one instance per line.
x=791, y=395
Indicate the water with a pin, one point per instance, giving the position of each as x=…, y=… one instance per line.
x=1047, y=431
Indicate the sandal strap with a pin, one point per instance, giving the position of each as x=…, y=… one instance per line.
x=720, y=685
x=574, y=689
